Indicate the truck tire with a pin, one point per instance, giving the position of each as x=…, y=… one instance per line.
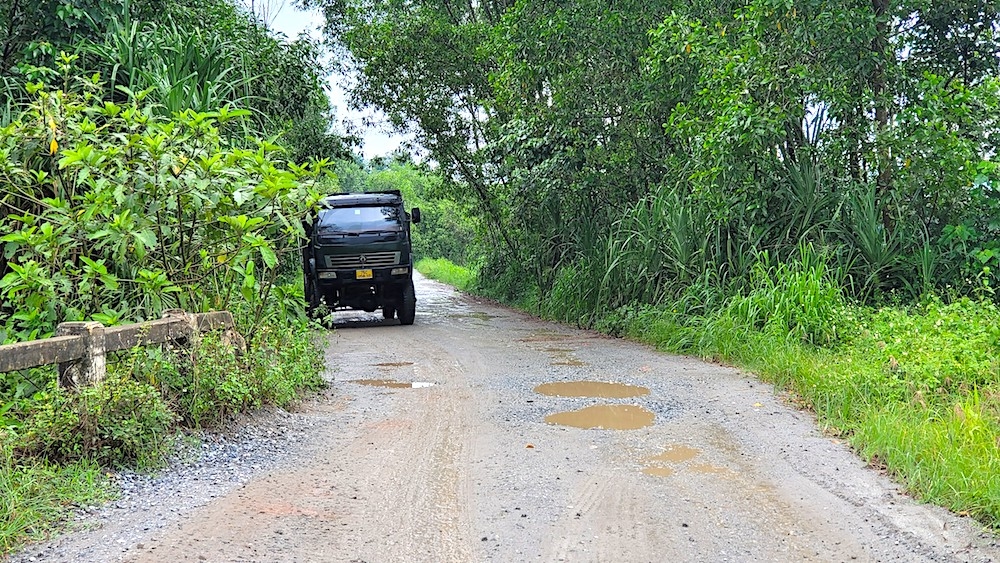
x=388, y=312
x=408, y=311
x=311, y=295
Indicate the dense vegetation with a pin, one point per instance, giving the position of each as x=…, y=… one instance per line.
x=152, y=156
x=754, y=181
x=802, y=187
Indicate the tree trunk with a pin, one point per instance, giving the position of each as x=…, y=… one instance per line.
x=880, y=44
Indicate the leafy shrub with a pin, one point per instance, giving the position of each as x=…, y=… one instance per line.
x=119, y=423
x=936, y=346
x=112, y=212
x=280, y=364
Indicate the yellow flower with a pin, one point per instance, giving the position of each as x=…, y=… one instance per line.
x=53, y=147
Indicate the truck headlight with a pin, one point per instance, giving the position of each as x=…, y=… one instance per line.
x=328, y=275
x=400, y=271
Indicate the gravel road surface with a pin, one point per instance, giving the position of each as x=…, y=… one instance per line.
x=433, y=444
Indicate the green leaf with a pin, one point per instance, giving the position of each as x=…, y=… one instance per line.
x=268, y=255
x=146, y=238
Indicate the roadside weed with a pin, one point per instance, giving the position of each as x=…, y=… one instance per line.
x=34, y=495
x=945, y=453
x=446, y=271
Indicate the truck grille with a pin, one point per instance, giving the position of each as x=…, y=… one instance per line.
x=367, y=260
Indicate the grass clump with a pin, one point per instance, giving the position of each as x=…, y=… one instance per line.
x=35, y=494
x=444, y=270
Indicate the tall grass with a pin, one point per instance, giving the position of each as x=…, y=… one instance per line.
x=446, y=271
x=178, y=69
x=36, y=495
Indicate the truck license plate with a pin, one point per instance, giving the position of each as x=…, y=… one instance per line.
x=363, y=274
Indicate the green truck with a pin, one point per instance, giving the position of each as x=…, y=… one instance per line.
x=359, y=255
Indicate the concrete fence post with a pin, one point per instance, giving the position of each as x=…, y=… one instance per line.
x=93, y=366
x=188, y=327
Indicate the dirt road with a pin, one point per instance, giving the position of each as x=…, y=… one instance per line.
x=433, y=444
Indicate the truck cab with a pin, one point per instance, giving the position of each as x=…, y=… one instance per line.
x=359, y=255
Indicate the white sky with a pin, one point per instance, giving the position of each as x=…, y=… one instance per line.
x=378, y=139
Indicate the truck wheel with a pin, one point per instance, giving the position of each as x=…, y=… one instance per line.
x=311, y=295
x=388, y=312
x=409, y=309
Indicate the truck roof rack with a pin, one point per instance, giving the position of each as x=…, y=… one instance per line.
x=362, y=198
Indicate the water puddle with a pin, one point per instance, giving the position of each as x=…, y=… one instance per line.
x=546, y=337
x=679, y=454
x=561, y=357
x=478, y=315
x=676, y=454
x=392, y=384
x=605, y=417
x=599, y=389
x=657, y=471
x=393, y=364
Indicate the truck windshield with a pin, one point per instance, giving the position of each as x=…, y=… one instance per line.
x=358, y=219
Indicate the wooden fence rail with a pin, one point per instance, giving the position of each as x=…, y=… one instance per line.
x=80, y=348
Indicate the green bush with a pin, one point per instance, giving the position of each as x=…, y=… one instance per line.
x=280, y=364
x=111, y=212
x=118, y=423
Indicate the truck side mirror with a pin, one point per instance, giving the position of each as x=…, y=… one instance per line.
x=415, y=214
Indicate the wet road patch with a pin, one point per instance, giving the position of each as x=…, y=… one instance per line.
x=561, y=357
x=673, y=459
x=391, y=383
x=676, y=454
x=604, y=417
x=597, y=389
x=658, y=471
x=478, y=315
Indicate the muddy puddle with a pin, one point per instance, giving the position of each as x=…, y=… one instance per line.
x=544, y=336
x=391, y=383
x=708, y=468
x=604, y=417
x=562, y=357
x=673, y=460
x=596, y=389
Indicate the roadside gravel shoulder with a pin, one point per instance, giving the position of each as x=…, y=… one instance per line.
x=204, y=467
